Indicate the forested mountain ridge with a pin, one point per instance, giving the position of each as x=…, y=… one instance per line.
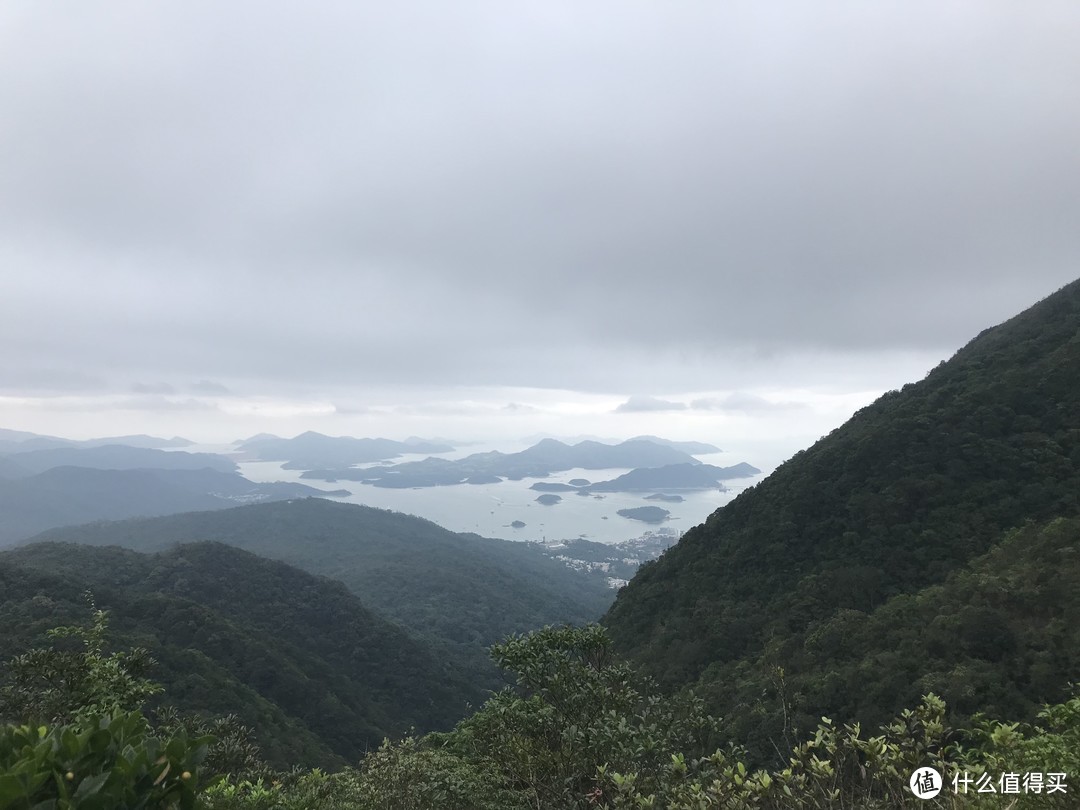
x=911, y=489
x=463, y=590
x=318, y=676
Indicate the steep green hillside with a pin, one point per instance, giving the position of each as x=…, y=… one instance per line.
x=911, y=489
x=297, y=657
x=464, y=590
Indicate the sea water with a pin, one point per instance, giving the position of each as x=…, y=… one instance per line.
x=490, y=509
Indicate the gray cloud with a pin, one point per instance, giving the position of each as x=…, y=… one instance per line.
x=161, y=403
x=18, y=379
x=148, y=403
x=350, y=409
x=644, y=404
x=746, y=403
x=208, y=388
x=562, y=196
x=153, y=388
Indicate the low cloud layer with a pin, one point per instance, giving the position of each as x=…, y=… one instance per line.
x=746, y=403
x=647, y=404
x=323, y=203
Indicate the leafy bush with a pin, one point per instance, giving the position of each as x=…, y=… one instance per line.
x=48, y=685
x=99, y=762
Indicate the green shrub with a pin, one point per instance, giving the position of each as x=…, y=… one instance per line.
x=99, y=762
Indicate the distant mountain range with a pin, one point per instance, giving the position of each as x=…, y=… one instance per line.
x=538, y=461
x=649, y=479
x=313, y=450
x=16, y=441
x=693, y=448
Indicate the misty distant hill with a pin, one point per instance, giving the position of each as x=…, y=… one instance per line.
x=118, y=457
x=311, y=450
x=9, y=469
x=538, y=461
x=139, y=440
x=20, y=441
x=693, y=448
x=65, y=496
x=675, y=476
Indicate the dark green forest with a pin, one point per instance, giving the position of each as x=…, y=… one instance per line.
x=297, y=657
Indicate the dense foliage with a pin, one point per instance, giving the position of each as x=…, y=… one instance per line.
x=296, y=657
x=579, y=730
x=100, y=761
x=816, y=588
x=582, y=730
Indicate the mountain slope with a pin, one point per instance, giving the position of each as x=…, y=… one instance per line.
x=463, y=589
x=298, y=657
x=910, y=489
x=71, y=495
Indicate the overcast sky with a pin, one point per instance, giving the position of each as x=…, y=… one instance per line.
x=489, y=218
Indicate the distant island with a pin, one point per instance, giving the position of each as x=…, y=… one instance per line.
x=693, y=448
x=483, y=478
x=518, y=524
x=646, y=514
x=539, y=461
x=547, y=486
x=675, y=476
x=665, y=498
x=548, y=499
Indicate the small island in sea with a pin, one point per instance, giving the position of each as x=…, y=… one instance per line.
x=548, y=499
x=547, y=486
x=518, y=524
x=483, y=478
x=646, y=514
x=665, y=498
